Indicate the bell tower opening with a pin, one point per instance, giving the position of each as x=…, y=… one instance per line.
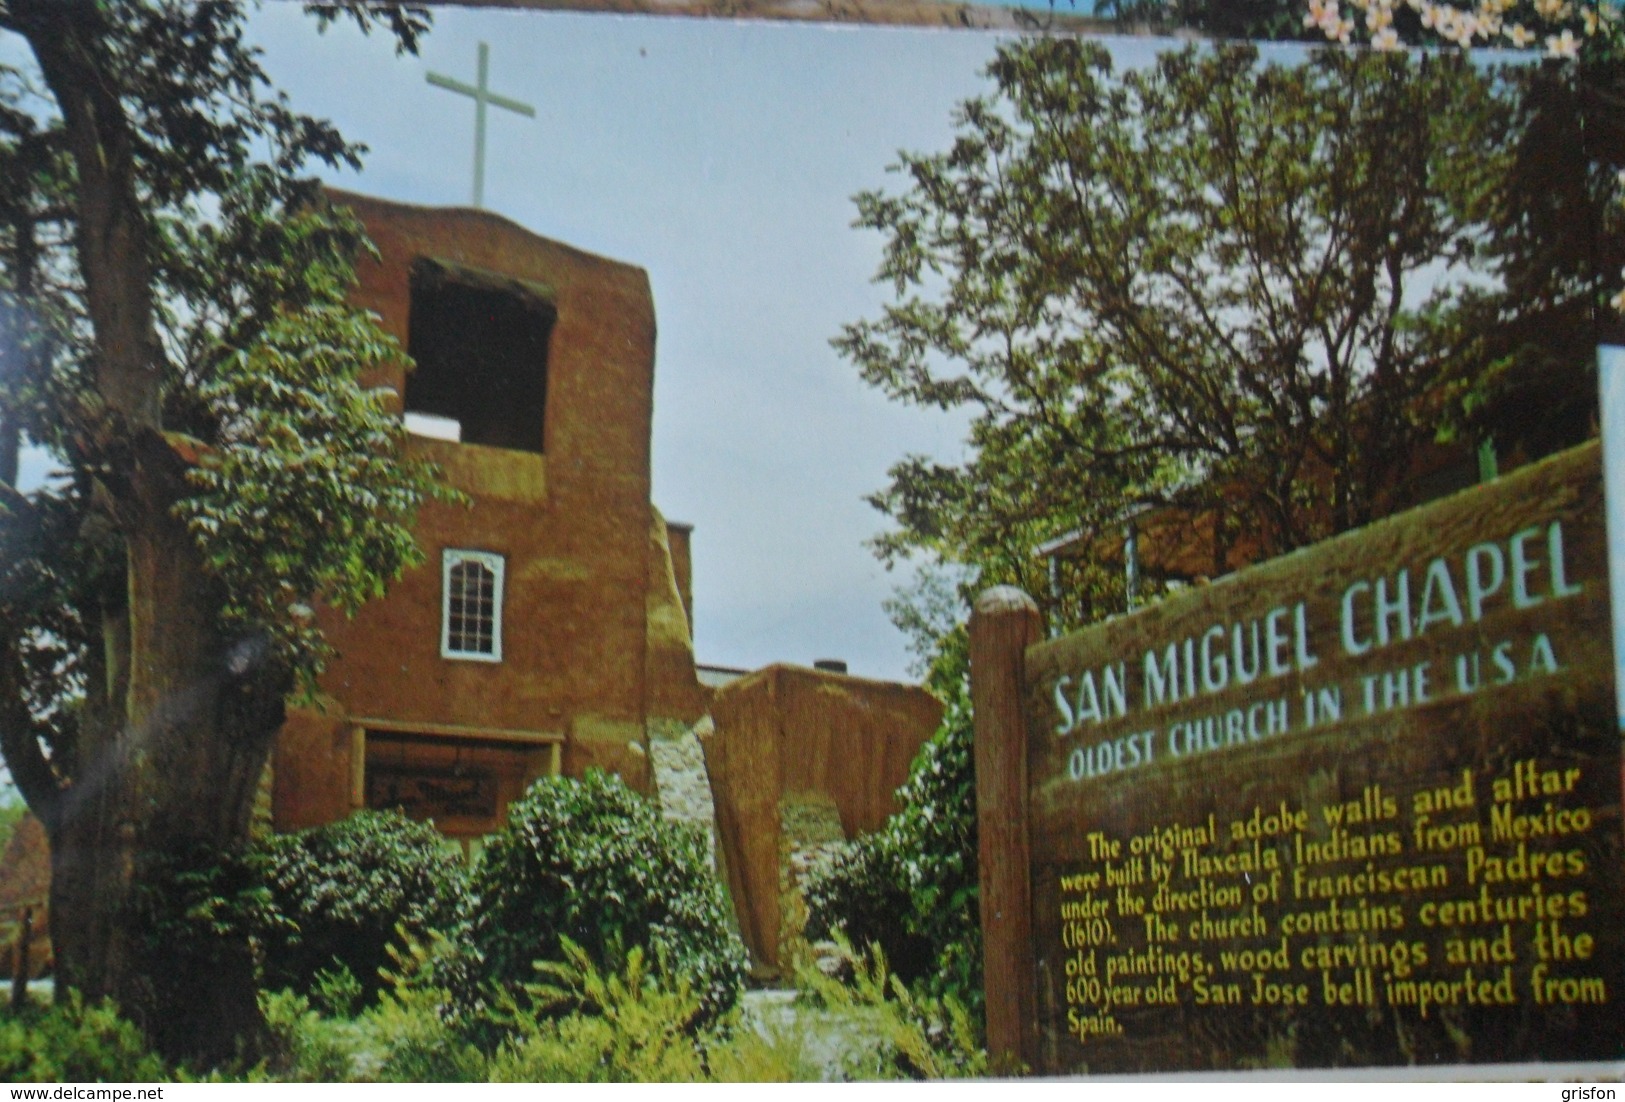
x=480, y=341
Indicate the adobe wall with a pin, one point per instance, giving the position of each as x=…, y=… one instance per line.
x=786, y=736
x=680, y=538
x=312, y=769
x=573, y=523
x=674, y=696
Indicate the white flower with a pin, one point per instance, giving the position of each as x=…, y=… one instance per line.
x=1385, y=39
x=1562, y=45
x=1466, y=22
x=1320, y=14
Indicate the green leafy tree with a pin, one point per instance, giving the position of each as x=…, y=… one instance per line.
x=1217, y=289
x=1558, y=246
x=1557, y=219
x=172, y=294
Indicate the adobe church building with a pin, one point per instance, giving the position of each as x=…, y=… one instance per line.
x=549, y=630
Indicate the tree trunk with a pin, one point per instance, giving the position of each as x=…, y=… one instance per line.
x=165, y=797
x=176, y=733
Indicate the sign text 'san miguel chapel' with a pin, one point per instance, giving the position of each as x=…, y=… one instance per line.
x=1356, y=806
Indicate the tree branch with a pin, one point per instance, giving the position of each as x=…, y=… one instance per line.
x=21, y=743
x=68, y=38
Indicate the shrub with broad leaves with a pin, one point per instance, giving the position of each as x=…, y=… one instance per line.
x=592, y=862
x=351, y=889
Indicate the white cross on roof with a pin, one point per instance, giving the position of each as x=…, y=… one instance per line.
x=481, y=95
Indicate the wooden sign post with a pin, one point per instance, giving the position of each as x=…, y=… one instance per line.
x=1003, y=625
x=1357, y=806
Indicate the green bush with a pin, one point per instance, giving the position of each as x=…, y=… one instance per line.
x=74, y=1043
x=336, y=991
x=405, y=1037
x=350, y=889
x=196, y=914
x=591, y=861
x=911, y=888
x=893, y=1033
x=410, y=1029
x=301, y=1046
x=584, y=1026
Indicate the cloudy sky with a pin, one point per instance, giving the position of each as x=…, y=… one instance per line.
x=720, y=157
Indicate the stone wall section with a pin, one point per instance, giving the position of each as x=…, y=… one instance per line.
x=810, y=837
x=681, y=785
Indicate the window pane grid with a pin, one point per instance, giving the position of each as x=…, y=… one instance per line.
x=472, y=610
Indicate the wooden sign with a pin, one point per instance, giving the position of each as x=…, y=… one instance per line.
x=433, y=793
x=1359, y=805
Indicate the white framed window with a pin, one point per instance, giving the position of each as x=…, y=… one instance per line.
x=471, y=605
